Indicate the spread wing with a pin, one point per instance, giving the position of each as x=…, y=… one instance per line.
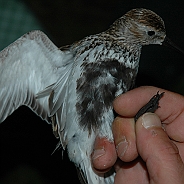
x=27, y=66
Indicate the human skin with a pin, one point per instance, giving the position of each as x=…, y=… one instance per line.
x=150, y=150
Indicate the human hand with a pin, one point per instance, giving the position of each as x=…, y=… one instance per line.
x=161, y=159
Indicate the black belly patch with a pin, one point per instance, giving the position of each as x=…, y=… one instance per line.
x=96, y=89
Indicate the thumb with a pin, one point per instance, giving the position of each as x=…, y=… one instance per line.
x=162, y=158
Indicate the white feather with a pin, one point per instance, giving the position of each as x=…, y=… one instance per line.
x=27, y=66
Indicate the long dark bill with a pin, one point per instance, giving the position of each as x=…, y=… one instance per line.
x=167, y=42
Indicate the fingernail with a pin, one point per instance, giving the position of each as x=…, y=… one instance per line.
x=122, y=147
x=150, y=120
x=98, y=153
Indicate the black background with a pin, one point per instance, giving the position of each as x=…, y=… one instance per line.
x=26, y=141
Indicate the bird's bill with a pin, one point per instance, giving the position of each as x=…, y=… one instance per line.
x=167, y=42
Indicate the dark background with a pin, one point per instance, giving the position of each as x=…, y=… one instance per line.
x=26, y=141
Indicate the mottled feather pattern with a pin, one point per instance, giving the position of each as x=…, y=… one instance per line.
x=97, y=87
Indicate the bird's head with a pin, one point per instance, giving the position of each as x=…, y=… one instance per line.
x=141, y=27
x=145, y=26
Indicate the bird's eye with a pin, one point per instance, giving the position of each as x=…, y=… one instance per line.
x=151, y=33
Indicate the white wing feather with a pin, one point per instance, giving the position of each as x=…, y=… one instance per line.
x=27, y=66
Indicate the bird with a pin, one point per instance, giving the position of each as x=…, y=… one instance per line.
x=73, y=87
